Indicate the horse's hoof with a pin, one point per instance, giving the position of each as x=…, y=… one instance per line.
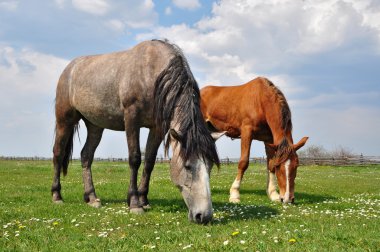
x=58, y=202
x=234, y=200
x=137, y=210
x=96, y=203
x=147, y=207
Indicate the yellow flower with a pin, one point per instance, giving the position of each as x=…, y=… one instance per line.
x=235, y=233
x=292, y=240
x=55, y=223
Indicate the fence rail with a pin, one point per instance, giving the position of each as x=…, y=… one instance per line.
x=334, y=161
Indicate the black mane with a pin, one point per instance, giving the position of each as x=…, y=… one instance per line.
x=176, y=91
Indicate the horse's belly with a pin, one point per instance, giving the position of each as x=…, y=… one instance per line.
x=112, y=122
x=104, y=119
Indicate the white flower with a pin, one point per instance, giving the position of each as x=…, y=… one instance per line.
x=242, y=242
x=225, y=243
x=188, y=246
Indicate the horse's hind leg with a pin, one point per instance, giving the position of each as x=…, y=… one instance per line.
x=246, y=140
x=64, y=133
x=150, y=158
x=94, y=135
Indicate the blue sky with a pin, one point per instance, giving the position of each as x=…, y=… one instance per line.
x=324, y=55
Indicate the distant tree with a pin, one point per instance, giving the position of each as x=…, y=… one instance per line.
x=342, y=151
x=314, y=151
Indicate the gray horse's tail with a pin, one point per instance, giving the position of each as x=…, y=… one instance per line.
x=69, y=150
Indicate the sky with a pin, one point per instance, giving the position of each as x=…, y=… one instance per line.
x=324, y=55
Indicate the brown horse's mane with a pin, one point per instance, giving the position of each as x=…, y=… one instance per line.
x=284, y=149
x=285, y=115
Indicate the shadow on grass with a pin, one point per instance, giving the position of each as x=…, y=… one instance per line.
x=307, y=198
x=224, y=212
x=300, y=197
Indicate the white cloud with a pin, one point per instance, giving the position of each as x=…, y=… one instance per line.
x=96, y=7
x=116, y=25
x=27, y=88
x=245, y=38
x=187, y=4
x=8, y=5
x=60, y=3
x=139, y=14
x=28, y=72
x=168, y=11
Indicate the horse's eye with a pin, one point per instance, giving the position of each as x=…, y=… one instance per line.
x=188, y=167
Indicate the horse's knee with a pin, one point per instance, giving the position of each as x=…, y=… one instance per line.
x=243, y=164
x=135, y=159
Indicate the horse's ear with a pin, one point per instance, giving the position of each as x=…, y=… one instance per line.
x=271, y=165
x=175, y=135
x=301, y=143
x=272, y=147
x=217, y=135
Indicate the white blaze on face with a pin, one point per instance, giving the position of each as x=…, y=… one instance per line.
x=204, y=178
x=287, y=193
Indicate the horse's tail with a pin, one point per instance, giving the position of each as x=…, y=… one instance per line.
x=69, y=150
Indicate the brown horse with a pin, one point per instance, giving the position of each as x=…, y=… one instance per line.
x=256, y=110
x=150, y=86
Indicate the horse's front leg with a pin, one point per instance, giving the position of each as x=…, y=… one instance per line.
x=271, y=187
x=246, y=140
x=271, y=178
x=152, y=145
x=133, y=135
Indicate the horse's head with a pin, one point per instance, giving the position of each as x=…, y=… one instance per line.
x=192, y=176
x=283, y=161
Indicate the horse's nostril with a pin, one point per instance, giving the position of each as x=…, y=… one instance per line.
x=198, y=218
x=282, y=200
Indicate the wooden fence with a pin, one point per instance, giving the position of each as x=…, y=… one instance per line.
x=334, y=161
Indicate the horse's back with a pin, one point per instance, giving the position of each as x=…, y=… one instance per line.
x=101, y=87
x=230, y=97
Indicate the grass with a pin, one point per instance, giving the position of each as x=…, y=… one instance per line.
x=337, y=209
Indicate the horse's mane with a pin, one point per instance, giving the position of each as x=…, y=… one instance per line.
x=285, y=115
x=284, y=149
x=177, y=96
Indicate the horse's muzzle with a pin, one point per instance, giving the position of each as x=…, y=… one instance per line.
x=200, y=218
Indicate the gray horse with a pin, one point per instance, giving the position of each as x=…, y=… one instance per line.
x=150, y=86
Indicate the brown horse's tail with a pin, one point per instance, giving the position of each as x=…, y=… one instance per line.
x=69, y=150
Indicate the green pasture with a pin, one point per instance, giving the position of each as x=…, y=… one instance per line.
x=337, y=209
